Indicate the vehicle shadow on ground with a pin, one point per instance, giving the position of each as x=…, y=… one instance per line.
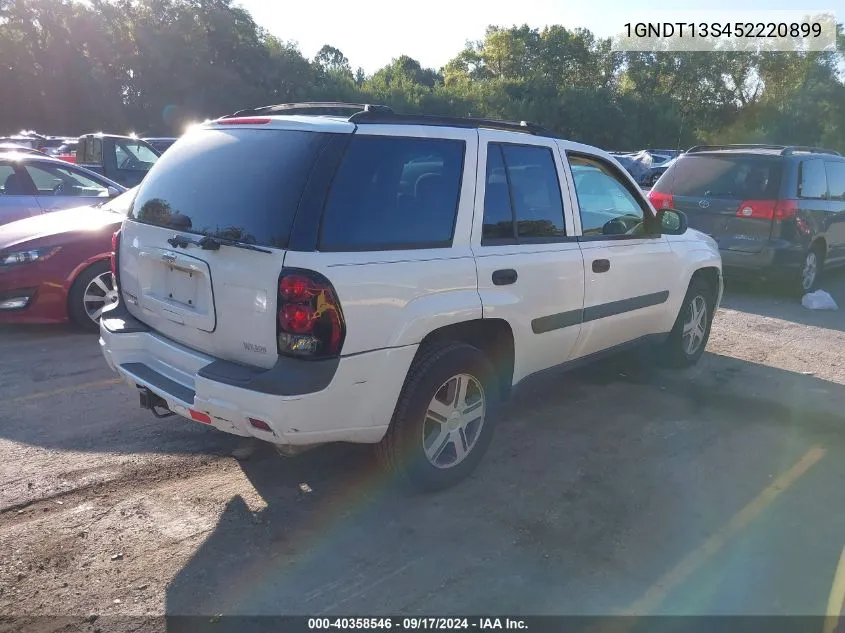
x=773, y=300
x=544, y=521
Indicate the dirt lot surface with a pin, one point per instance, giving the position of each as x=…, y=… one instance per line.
x=617, y=488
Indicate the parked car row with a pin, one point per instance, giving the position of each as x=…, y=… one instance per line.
x=647, y=165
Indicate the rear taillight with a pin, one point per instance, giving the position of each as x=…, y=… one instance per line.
x=661, y=200
x=310, y=321
x=115, y=246
x=767, y=209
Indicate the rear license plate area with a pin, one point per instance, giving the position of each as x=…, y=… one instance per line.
x=182, y=286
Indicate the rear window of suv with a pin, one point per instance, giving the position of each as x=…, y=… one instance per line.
x=240, y=184
x=742, y=177
x=393, y=193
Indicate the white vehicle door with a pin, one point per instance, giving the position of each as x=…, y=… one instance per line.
x=629, y=272
x=530, y=269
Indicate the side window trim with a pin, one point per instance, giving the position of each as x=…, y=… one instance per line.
x=648, y=215
x=516, y=240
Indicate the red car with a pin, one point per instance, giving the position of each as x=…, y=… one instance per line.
x=56, y=267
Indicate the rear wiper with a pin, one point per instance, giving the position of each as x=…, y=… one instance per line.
x=208, y=243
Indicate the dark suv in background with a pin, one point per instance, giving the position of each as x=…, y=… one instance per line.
x=777, y=212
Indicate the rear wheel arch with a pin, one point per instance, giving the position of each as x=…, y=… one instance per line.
x=494, y=337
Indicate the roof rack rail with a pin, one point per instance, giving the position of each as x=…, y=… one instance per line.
x=787, y=151
x=390, y=117
x=707, y=148
x=330, y=108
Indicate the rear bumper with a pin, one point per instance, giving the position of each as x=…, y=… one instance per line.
x=354, y=404
x=774, y=260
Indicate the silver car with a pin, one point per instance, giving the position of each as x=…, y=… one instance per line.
x=32, y=185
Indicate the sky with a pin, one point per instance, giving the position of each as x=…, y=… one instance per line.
x=373, y=32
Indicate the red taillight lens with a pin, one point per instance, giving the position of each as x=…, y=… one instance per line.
x=244, y=121
x=767, y=209
x=310, y=320
x=297, y=288
x=115, y=245
x=661, y=200
x=296, y=318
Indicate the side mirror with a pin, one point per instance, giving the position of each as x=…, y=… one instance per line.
x=672, y=222
x=113, y=192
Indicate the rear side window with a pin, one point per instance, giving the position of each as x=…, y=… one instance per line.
x=723, y=176
x=836, y=179
x=522, y=200
x=242, y=184
x=812, y=180
x=395, y=193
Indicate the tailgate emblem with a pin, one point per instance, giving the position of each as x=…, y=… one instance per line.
x=169, y=257
x=704, y=204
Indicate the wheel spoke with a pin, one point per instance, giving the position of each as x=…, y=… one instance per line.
x=435, y=448
x=96, y=315
x=438, y=411
x=460, y=441
x=461, y=393
x=98, y=281
x=89, y=298
x=475, y=406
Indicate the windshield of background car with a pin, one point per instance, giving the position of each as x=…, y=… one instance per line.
x=237, y=184
x=745, y=177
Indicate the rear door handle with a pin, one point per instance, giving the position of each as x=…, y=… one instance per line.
x=601, y=265
x=504, y=277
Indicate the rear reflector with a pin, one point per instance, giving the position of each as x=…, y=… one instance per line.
x=244, y=121
x=260, y=424
x=199, y=416
x=767, y=209
x=661, y=200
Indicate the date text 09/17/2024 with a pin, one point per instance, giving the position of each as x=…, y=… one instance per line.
x=416, y=624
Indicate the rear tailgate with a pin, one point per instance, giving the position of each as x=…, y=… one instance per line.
x=240, y=187
x=714, y=188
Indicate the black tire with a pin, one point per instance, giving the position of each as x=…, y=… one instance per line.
x=816, y=252
x=674, y=351
x=402, y=451
x=76, y=305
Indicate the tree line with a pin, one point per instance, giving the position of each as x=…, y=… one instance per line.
x=152, y=66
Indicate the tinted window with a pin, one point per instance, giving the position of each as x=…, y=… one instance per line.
x=11, y=184
x=61, y=181
x=812, y=180
x=393, y=192
x=498, y=223
x=240, y=184
x=535, y=191
x=732, y=177
x=131, y=155
x=522, y=184
x=605, y=204
x=836, y=179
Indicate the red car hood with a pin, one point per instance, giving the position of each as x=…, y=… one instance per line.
x=56, y=223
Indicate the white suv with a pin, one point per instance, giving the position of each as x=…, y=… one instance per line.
x=319, y=273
